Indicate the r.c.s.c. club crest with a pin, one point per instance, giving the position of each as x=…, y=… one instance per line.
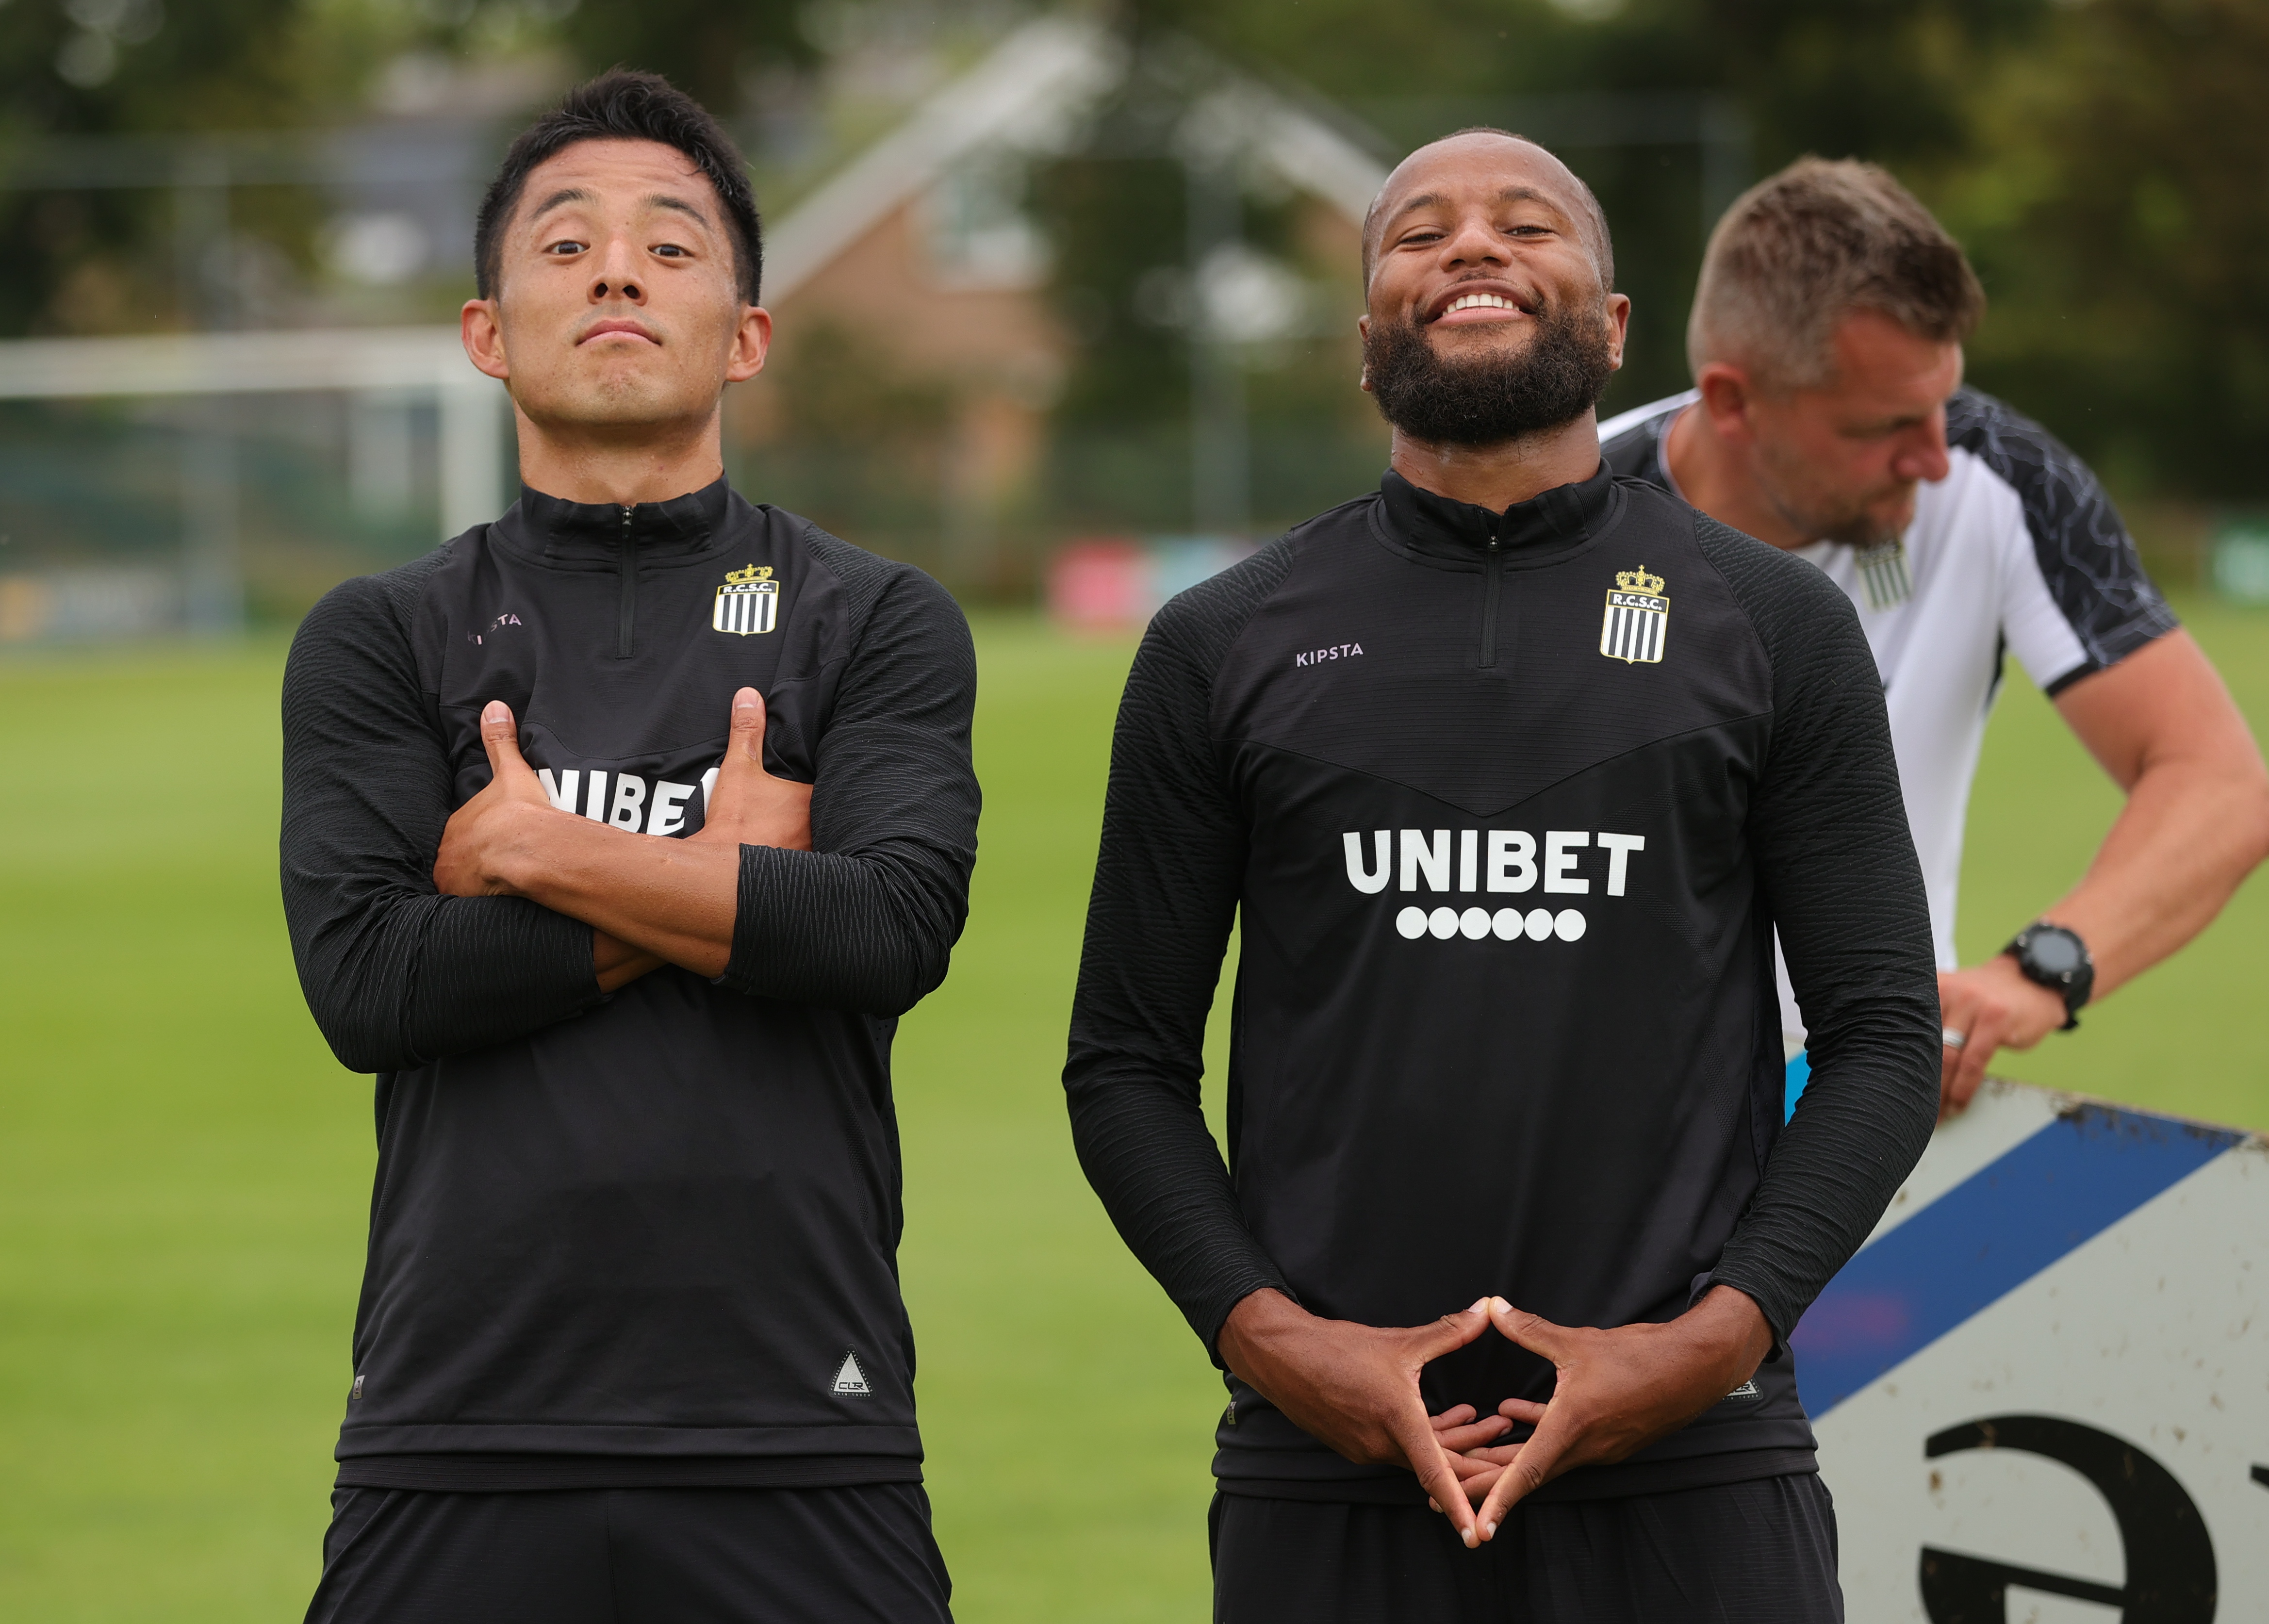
x=1637, y=622
x=748, y=602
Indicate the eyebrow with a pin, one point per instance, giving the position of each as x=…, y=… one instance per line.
x=573, y=194
x=1511, y=194
x=663, y=200
x=576, y=193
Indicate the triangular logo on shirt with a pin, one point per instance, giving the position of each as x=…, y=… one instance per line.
x=850, y=1378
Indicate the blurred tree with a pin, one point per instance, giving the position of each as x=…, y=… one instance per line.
x=2120, y=220
x=707, y=47
x=104, y=259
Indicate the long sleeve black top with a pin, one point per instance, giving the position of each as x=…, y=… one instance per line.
x=1510, y=805
x=647, y=1237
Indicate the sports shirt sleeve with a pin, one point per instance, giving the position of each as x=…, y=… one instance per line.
x=1166, y=884
x=394, y=973
x=2075, y=599
x=1829, y=830
x=866, y=919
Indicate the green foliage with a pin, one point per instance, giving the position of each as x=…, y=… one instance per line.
x=2116, y=211
x=707, y=47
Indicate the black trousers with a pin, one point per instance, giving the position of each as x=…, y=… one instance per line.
x=1756, y=1553
x=633, y=1556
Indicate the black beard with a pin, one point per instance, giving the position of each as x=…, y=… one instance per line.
x=1558, y=377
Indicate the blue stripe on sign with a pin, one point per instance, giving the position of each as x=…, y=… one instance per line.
x=1985, y=1237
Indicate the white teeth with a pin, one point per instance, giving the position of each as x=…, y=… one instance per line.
x=1487, y=302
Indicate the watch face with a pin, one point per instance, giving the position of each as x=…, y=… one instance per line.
x=2053, y=953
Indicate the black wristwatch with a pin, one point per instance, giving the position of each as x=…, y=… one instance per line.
x=2056, y=959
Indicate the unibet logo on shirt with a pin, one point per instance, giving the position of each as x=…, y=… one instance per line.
x=748, y=602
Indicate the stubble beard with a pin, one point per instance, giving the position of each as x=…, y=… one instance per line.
x=1819, y=519
x=1493, y=398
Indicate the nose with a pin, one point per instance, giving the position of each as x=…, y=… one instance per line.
x=1475, y=241
x=618, y=278
x=1923, y=456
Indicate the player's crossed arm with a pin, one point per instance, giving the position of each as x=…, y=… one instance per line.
x=649, y=900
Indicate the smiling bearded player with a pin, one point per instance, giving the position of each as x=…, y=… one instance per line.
x=1508, y=873
x=630, y=1345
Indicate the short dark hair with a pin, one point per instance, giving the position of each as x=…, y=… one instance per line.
x=624, y=105
x=1803, y=249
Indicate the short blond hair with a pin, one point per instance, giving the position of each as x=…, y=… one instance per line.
x=1800, y=252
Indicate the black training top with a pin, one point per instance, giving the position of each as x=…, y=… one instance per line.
x=1509, y=806
x=649, y=1238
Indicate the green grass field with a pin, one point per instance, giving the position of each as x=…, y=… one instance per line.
x=184, y=1170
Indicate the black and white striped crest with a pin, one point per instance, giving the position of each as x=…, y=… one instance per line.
x=1638, y=620
x=1883, y=570
x=747, y=606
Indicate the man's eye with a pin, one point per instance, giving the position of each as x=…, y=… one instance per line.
x=566, y=247
x=671, y=249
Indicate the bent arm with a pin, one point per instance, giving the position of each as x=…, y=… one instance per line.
x=1166, y=883
x=394, y=973
x=866, y=919
x=1829, y=831
x=2197, y=819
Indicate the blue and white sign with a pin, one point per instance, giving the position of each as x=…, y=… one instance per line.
x=2041, y=1388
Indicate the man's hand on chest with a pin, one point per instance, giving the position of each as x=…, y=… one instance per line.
x=649, y=900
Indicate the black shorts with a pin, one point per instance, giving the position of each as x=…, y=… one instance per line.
x=633, y=1556
x=1757, y=1553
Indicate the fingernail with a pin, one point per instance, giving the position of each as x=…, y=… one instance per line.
x=495, y=710
x=1501, y=1305
x=1490, y=1532
x=1473, y=1538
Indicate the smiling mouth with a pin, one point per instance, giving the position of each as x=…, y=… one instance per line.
x=1483, y=307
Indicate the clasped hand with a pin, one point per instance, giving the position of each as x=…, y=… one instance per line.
x=1355, y=1388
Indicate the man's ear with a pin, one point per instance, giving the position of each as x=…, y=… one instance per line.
x=1619, y=309
x=484, y=338
x=750, y=344
x=1727, y=393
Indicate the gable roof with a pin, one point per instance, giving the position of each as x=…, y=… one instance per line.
x=1027, y=96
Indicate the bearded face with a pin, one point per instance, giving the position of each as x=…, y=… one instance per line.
x=1496, y=394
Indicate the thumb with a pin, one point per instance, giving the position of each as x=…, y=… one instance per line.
x=501, y=738
x=748, y=736
x=1534, y=1333
x=1453, y=1332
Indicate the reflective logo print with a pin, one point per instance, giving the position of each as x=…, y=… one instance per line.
x=748, y=602
x=1508, y=860
x=1637, y=622
x=624, y=799
x=849, y=1378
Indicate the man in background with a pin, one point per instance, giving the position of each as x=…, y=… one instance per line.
x=1829, y=417
x=630, y=1345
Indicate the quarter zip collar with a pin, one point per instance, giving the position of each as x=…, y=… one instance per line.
x=1551, y=521
x=593, y=532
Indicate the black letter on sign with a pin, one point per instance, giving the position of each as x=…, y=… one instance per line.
x=2171, y=1578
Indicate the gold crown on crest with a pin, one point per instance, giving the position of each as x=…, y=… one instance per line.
x=1639, y=580
x=751, y=573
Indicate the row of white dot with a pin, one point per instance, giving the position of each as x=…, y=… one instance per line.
x=1508, y=923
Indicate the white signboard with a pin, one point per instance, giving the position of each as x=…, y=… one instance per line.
x=2042, y=1388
